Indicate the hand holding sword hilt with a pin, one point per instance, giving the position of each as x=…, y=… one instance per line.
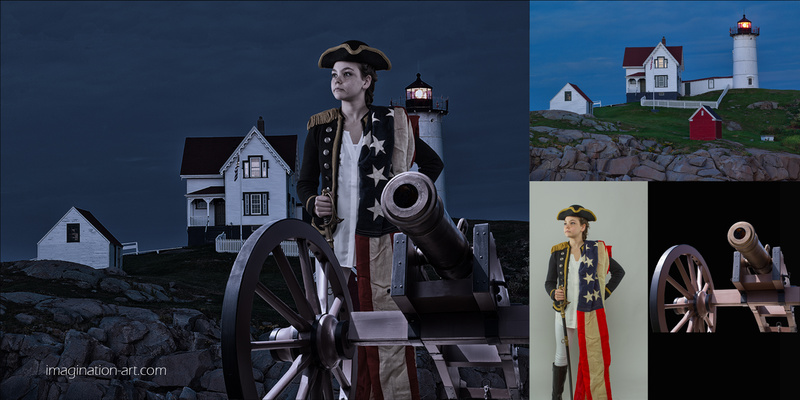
x=329, y=222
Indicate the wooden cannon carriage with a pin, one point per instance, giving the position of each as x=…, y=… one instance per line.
x=682, y=285
x=463, y=319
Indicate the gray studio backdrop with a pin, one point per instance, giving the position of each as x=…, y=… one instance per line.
x=621, y=210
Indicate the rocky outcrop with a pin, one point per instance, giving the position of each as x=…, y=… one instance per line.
x=580, y=156
x=115, y=351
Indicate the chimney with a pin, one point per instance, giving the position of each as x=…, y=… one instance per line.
x=664, y=40
x=260, y=125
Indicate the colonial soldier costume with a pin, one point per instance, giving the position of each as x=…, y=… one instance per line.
x=353, y=174
x=584, y=286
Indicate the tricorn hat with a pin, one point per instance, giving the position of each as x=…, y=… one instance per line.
x=576, y=210
x=355, y=51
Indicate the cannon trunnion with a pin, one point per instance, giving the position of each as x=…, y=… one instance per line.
x=464, y=319
x=759, y=276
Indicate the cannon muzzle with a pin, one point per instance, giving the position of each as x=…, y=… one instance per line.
x=743, y=238
x=410, y=202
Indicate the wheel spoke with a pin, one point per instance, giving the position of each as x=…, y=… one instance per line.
x=278, y=344
x=680, y=288
x=344, y=383
x=336, y=306
x=307, y=381
x=682, y=270
x=291, y=316
x=693, y=270
x=303, y=308
x=326, y=385
x=682, y=322
x=669, y=306
x=300, y=363
x=307, y=269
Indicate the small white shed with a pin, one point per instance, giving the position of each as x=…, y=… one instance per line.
x=80, y=238
x=571, y=98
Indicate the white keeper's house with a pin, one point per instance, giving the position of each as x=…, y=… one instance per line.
x=235, y=184
x=653, y=72
x=572, y=98
x=80, y=238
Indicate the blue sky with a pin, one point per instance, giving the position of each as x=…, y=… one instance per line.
x=583, y=42
x=98, y=97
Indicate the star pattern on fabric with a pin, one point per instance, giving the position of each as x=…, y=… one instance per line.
x=589, y=297
x=378, y=146
x=377, y=175
x=390, y=113
x=376, y=210
x=587, y=260
x=375, y=118
x=588, y=278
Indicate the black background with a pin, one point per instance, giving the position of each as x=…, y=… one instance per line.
x=737, y=361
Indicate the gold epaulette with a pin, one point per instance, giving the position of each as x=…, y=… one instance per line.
x=560, y=246
x=323, y=117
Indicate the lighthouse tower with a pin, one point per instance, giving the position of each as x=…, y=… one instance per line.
x=420, y=102
x=745, y=61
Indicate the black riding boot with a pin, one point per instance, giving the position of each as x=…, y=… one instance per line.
x=559, y=376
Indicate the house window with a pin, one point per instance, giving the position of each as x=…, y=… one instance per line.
x=255, y=167
x=661, y=81
x=73, y=233
x=256, y=203
x=749, y=81
x=567, y=95
x=711, y=84
x=661, y=62
x=200, y=205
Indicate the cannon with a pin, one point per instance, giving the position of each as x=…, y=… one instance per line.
x=463, y=319
x=682, y=284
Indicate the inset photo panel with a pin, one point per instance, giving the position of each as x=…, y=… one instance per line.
x=588, y=248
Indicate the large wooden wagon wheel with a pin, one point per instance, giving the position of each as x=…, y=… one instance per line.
x=682, y=284
x=316, y=340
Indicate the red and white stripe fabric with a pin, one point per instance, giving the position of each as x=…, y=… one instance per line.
x=386, y=372
x=593, y=381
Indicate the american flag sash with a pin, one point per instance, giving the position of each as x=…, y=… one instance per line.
x=595, y=354
x=386, y=372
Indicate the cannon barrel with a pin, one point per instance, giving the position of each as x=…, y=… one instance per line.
x=743, y=238
x=410, y=202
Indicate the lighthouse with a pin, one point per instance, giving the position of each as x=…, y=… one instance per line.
x=745, y=60
x=420, y=102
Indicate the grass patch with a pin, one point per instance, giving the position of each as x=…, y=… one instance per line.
x=670, y=126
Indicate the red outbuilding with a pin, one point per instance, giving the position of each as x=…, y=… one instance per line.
x=705, y=124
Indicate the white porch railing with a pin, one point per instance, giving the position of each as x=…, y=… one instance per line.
x=683, y=104
x=676, y=103
x=134, y=246
x=224, y=245
x=198, y=221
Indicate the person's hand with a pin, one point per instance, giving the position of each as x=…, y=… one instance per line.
x=323, y=206
x=559, y=295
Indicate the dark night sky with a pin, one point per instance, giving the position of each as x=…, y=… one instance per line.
x=97, y=99
x=583, y=42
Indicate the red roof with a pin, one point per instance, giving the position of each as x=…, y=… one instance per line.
x=581, y=92
x=636, y=56
x=206, y=155
x=100, y=228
